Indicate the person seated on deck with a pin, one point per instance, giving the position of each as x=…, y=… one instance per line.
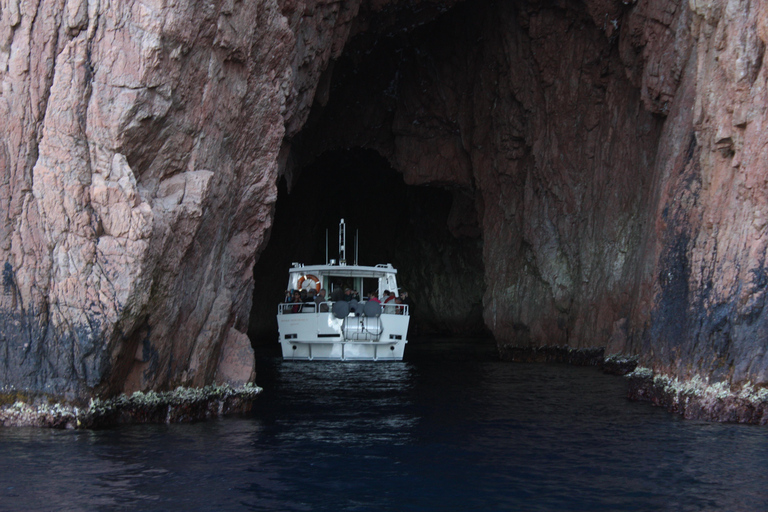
x=406, y=300
x=337, y=294
x=297, y=302
x=349, y=296
x=389, y=302
x=287, y=301
x=372, y=297
x=320, y=301
x=398, y=305
x=309, y=302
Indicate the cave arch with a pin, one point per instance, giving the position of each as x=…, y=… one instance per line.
x=480, y=100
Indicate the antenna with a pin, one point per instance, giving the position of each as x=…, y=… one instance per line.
x=342, y=243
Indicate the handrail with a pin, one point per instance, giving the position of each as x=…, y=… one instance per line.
x=306, y=307
x=285, y=308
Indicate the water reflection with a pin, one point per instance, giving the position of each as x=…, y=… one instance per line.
x=351, y=404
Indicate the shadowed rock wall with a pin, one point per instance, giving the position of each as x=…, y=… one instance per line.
x=613, y=152
x=531, y=110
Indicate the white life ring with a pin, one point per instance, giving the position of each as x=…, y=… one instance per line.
x=305, y=282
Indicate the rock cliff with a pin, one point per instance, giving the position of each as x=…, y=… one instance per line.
x=611, y=152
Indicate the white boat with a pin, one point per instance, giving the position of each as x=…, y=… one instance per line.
x=344, y=329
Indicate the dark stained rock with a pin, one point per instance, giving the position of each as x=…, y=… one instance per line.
x=567, y=355
x=619, y=365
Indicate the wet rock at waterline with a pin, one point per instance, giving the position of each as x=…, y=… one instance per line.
x=608, y=157
x=181, y=405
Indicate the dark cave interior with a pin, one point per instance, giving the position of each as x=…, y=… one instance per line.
x=341, y=166
x=396, y=223
x=431, y=121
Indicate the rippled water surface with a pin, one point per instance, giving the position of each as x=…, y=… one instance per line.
x=449, y=430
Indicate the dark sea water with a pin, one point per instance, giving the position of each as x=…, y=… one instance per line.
x=451, y=429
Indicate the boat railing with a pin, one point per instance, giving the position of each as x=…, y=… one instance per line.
x=395, y=309
x=285, y=308
x=304, y=307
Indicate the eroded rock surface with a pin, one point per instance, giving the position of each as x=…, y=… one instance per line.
x=139, y=176
x=612, y=153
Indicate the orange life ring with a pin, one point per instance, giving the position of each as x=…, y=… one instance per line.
x=309, y=277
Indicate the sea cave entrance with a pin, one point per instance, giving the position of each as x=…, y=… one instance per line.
x=396, y=223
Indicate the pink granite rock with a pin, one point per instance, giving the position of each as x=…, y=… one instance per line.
x=614, y=152
x=139, y=179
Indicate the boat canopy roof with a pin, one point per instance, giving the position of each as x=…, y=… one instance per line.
x=377, y=271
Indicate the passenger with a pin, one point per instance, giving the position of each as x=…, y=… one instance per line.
x=349, y=296
x=310, y=301
x=372, y=297
x=303, y=294
x=297, y=302
x=406, y=301
x=398, y=304
x=389, y=302
x=320, y=301
x=337, y=294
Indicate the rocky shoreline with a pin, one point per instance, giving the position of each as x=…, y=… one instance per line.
x=695, y=399
x=553, y=354
x=183, y=404
x=614, y=364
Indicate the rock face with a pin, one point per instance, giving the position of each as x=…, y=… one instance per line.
x=612, y=154
x=139, y=177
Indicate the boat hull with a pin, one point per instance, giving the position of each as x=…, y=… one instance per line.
x=309, y=336
x=343, y=350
